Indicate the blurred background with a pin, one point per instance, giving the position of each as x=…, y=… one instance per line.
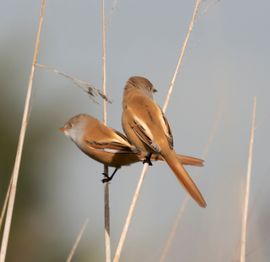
x=225, y=65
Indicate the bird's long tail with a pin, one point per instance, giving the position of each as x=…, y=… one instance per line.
x=190, y=160
x=182, y=175
x=184, y=160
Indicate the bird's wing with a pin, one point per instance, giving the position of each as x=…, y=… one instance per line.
x=149, y=122
x=144, y=134
x=121, y=137
x=166, y=128
x=109, y=140
x=110, y=146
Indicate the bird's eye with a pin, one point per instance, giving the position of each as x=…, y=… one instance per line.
x=68, y=126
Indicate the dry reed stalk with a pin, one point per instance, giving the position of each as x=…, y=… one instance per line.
x=214, y=128
x=87, y=87
x=77, y=241
x=107, y=219
x=130, y=214
x=183, y=49
x=145, y=167
x=106, y=169
x=172, y=234
x=4, y=208
x=25, y=120
x=183, y=205
x=247, y=191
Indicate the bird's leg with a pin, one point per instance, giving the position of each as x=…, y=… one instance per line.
x=148, y=159
x=108, y=178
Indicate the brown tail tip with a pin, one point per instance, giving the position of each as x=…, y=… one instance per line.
x=202, y=204
x=183, y=177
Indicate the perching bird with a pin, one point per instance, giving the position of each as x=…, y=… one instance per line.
x=107, y=145
x=147, y=128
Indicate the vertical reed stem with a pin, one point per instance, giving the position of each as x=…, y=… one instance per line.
x=4, y=208
x=130, y=214
x=77, y=241
x=25, y=120
x=247, y=192
x=183, y=49
x=173, y=230
x=106, y=169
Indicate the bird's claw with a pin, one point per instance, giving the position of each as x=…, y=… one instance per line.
x=148, y=160
x=106, y=178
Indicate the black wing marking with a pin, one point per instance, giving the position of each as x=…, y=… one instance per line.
x=168, y=131
x=113, y=147
x=141, y=133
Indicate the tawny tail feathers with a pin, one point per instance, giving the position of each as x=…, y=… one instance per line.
x=189, y=160
x=183, y=159
x=184, y=178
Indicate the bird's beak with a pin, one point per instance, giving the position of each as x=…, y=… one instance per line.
x=62, y=129
x=154, y=90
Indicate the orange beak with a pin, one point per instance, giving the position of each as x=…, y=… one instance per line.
x=62, y=129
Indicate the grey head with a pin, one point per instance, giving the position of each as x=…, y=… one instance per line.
x=74, y=128
x=142, y=84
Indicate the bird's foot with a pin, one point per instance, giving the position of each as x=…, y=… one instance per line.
x=106, y=178
x=148, y=160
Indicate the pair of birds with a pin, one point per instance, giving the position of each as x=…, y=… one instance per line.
x=148, y=138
